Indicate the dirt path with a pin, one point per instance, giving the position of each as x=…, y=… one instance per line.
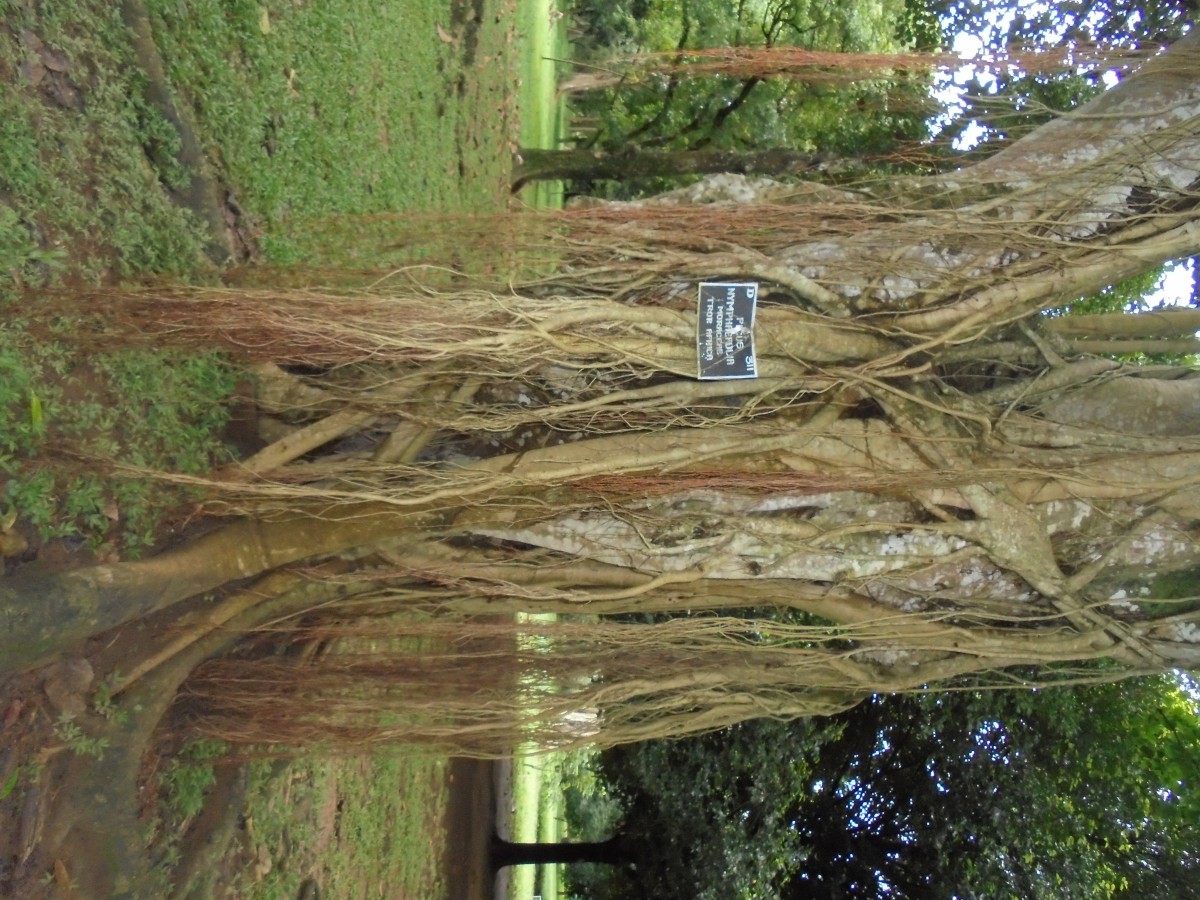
x=469, y=821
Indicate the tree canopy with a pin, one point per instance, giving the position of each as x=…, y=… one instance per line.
x=680, y=111
x=1004, y=24
x=1086, y=792
x=1036, y=63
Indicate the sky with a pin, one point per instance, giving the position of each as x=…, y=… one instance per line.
x=1175, y=287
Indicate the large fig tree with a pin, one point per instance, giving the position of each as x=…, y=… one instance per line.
x=926, y=480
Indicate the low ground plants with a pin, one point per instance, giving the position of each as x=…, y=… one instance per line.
x=363, y=826
x=323, y=126
x=81, y=435
x=77, y=739
x=189, y=775
x=79, y=194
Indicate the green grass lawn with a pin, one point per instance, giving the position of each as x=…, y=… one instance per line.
x=543, y=112
x=538, y=810
x=358, y=826
x=551, y=829
x=312, y=116
x=537, y=800
x=528, y=781
x=320, y=114
x=79, y=194
x=324, y=124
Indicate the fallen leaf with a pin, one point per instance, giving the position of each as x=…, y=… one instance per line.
x=10, y=783
x=55, y=61
x=13, y=713
x=264, y=20
x=445, y=37
x=31, y=40
x=34, y=71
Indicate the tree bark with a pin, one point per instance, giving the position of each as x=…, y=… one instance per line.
x=43, y=614
x=1161, y=323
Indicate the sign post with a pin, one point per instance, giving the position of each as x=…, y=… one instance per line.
x=725, y=331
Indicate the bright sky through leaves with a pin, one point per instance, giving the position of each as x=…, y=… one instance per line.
x=1176, y=285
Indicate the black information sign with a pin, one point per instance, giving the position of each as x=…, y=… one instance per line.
x=725, y=331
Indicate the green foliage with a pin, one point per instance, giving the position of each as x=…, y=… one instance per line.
x=77, y=740
x=709, y=815
x=1172, y=592
x=103, y=702
x=10, y=783
x=157, y=410
x=1054, y=794
x=920, y=27
x=1008, y=106
x=1126, y=296
x=605, y=27
x=590, y=807
x=1132, y=296
x=1064, y=793
x=726, y=113
x=1004, y=24
x=75, y=177
x=188, y=777
x=20, y=256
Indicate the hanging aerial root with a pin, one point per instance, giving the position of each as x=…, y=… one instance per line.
x=837, y=67
x=482, y=685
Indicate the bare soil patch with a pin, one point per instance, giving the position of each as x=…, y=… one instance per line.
x=469, y=825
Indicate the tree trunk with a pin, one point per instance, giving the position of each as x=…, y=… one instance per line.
x=959, y=494
x=612, y=852
x=1163, y=323
x=589, y=165
x=44, y=614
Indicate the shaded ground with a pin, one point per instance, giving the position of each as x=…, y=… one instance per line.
x=469, y=824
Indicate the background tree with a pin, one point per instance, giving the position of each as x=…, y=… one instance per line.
x=1008, y=793
x=710, y=815
x=653, y=129
x=1082, y=792
x=648, y=130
